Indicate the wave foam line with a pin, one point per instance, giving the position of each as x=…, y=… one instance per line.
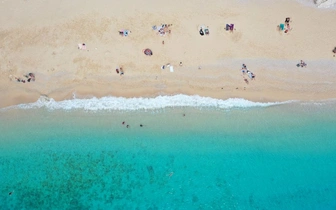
x=325, y=3
x=120, y=103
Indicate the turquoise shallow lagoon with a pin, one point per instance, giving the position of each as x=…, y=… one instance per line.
x=277, y=157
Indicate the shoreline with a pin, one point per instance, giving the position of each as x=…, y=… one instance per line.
x=282, y=82
x=159, y=103
x=50, y=51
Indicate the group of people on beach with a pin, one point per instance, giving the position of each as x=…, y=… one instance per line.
x=301, y=64
x=250, y=74
x=162, y=29
x=29, y=78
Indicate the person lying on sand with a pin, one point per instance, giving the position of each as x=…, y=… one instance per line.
x=201, y=32
x=20, y=80
x=287, y=20
x=82, y=46
x=30, y=77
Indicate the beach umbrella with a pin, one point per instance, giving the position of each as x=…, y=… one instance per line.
x=148, y=52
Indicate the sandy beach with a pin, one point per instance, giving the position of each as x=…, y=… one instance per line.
x=42, y=37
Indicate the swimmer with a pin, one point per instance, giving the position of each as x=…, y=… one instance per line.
x=170, y=174
x=127, y=126
x=183, y=115
x=123, y=122
x=141, y=125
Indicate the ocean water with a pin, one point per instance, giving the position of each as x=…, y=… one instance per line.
x=250, y=156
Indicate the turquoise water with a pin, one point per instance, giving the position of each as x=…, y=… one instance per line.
x=278, y=157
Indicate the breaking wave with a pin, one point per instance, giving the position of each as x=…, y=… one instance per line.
x=129, y=104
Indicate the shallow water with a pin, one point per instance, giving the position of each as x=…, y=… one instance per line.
x=278, y=157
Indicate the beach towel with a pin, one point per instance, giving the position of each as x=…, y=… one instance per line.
x=171, y=68
x=282, y=26
x=206, y=31
x=126, y=32
x=231, y=27
x=227, y=27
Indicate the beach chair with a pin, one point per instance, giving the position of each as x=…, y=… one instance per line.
x=282, y=27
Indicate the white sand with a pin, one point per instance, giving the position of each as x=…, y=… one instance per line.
x=42, y=37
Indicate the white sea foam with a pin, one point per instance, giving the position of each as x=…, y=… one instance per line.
x=321, y=4
x=129, y=104
x=325, y=3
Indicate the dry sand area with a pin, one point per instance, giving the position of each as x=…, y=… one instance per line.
x=41, y=36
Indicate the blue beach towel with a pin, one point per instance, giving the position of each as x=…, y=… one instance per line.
x=282, y=26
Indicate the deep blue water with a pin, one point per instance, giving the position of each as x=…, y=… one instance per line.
x=279, y=157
